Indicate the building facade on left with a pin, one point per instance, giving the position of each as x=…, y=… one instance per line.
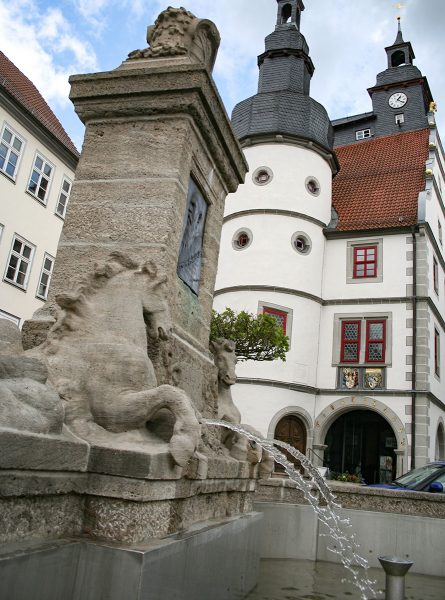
x=37, y=165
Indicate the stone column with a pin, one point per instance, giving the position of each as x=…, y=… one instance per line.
x=153, y=125
x=318, y=454
x=401, y=466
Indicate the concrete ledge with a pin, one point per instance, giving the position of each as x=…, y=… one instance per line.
x=217, y=560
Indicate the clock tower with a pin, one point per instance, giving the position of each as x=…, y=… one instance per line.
x=401, y=96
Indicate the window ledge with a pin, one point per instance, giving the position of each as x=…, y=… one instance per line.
x=15, y=285
x=11, y=179
x=41, y=202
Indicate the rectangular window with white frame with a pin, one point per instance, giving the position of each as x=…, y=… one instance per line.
x=45, y=276
x=363, y=134
x=64, y=197
x=19, y=262
x=10, y=317
x=436, y=276
x=11, y=149
x=40, y=180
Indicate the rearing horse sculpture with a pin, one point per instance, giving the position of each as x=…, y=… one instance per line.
x=98, y=362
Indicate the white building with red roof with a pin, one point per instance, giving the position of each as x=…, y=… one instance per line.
x=37, y=165
x=338, y=233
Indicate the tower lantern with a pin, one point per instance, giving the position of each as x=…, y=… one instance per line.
x=289, y=12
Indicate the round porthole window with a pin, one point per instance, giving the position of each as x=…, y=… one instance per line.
x=313, y=186
x=301, y=243
x=242, y=239
x=262, y=176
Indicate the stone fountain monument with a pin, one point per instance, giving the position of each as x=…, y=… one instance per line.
x=110, y=487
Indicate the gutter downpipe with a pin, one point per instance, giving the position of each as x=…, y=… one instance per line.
x=414, y=230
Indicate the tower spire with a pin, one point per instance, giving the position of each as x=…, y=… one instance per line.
x=399, y=38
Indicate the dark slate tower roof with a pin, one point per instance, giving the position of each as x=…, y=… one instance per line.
x=282, y=106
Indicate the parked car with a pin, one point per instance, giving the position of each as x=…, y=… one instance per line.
x=429, y=478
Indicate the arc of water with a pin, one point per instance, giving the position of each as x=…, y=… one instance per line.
x=327, y=515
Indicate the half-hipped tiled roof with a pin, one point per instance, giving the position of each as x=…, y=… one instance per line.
x=379, y=181
x=26, y=94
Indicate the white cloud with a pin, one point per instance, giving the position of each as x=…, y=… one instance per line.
x=42, y=45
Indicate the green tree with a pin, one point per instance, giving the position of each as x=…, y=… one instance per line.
x=257, y=337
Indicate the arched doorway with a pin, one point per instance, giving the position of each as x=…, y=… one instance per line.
x=440, y=443
x=362, y=441
x=292, y=430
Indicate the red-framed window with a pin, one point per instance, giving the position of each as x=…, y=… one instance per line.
x=350, y=341
x=375, y=341
x=279, y=315
x=436, y=276
x=437, y=353
x=365, y=262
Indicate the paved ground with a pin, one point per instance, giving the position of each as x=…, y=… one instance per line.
x=305, y=580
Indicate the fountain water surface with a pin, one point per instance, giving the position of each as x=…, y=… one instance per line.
x=320, y=497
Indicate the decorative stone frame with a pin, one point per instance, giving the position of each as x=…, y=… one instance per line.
x=336, y=353
x=236, y=235
x=336, y=409
x=350, y=260
x=296, y=411
x=286, y=309
x=308, y=241
x=260, y=170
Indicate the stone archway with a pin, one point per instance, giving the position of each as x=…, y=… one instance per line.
x=440, y=441
x=332, y=412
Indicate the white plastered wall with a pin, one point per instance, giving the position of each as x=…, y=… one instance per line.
x=22, y=214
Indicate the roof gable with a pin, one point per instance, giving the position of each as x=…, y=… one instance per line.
x=27, y=95
x=380, y=180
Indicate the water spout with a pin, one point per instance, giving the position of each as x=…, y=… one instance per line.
x=318, y=494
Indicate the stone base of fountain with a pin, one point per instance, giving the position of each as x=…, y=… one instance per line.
x=217, y=560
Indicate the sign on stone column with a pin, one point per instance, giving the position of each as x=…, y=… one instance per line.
x=190, y=253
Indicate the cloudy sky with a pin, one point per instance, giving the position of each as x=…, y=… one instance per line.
x=51, y=39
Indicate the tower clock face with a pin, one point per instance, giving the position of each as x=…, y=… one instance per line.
x=398, y=100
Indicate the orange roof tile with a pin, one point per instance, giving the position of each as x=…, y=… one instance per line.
x=380, y=180
x=26, y=93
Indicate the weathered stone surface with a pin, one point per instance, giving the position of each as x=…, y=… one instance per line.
x=359, y=498
x=133, y=522
x=27, y=401
x=25, y=450
x=40, y=517
x=177, y=32
x=97, y=358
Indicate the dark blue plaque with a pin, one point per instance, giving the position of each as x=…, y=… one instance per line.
x=190, y=252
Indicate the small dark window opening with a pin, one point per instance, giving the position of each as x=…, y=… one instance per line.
x=243, y=240
x=262, y=177
x=286, y=14
x=398, y=59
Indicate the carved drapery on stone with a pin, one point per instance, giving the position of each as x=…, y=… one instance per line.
x=177, y=32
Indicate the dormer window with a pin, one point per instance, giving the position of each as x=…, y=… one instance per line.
x=363, y=134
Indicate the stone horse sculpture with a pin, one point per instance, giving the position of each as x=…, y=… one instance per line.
x=27, y=401
x=97, y=357
x=238, y=446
